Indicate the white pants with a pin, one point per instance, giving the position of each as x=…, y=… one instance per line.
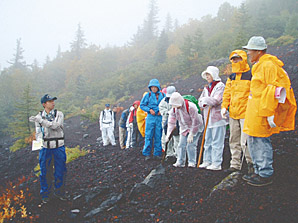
x=107, y=134
x=129, y=138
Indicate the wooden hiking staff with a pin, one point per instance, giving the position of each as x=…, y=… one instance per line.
x=203, y=140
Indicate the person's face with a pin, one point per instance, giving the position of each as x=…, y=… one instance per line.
x=154, y=89
x=135, y=106
x=209, y=78
x=253, y=55
x=49, y=105
x=114, y=109
x=236, y=59
x=107, y=108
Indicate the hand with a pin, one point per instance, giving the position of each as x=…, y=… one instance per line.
x=270, y=120
x=158, y=113
x=203, y=102
x=223, y=113
x=167, y=139
x=152, y=112
x=130, y=125
x=190, y=138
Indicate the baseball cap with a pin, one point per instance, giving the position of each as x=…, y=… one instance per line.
x=46, y=98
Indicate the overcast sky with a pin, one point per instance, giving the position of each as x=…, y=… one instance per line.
x=42, y=25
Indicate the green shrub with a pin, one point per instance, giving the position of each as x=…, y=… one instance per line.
x=20, y=143
x=281, y=41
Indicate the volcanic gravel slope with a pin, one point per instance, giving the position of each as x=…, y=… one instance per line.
x=182, y=197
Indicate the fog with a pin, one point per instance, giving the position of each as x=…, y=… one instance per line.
x=43, y=25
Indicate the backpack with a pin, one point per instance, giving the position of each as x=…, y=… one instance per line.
x=193, y=100
x=104, y=114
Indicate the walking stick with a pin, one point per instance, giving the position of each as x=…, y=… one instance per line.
x=203, y=140
x=166, y=147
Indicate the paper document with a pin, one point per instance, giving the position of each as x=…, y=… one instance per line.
x=36, y=145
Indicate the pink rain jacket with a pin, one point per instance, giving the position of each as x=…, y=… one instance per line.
x=189, y=122
x=214, y=100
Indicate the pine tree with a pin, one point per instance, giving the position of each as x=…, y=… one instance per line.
x=79, y=43
x=25, y=107
x=168, y=24
x=162, y=46
x=17, y=61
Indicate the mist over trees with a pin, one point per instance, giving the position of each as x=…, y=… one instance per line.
x=88, y=76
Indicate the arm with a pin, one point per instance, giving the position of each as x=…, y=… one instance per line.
x=55, y=124
x=217, y=97
x=196, y=119
x=171, y=122
x=144, y=103
x=163, y=108
x=226, y=98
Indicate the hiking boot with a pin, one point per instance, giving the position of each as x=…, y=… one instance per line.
x=178, y=165
x=259, y=181
x=213, y=167
x=147, y=158
x=231, y=170
x=61, y=197
x=204, y=165
x=249, y=177
x=192, y=165
x=170, y=159
x=45, y=200
x=250, y=168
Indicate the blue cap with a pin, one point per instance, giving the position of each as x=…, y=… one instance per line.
x=46, y=98
x=107, y=105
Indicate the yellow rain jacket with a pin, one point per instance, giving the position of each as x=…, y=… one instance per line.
x=237, y=88
x=141, y=119
x=268, y=74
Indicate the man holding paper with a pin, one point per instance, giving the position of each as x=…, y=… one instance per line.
x=49, y=130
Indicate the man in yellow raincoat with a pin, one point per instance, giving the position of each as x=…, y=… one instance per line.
x=235, y=98
x=271, y=108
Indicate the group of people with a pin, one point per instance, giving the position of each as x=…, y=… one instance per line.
x=256, y=103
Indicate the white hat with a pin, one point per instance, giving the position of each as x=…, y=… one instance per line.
x=170, y=91
x=176, y=99
x=213, y=71
x=256, y=43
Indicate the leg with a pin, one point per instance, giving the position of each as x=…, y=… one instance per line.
x=111, y=135
x=218, y=139
x=60, y=170
x=46, y=171
x=176, y=142
x=104, y=134
x=244, y=143
x=191, y=149
x=235, y=145
x=207, y=147
x=181, y=153
x=148, y=136
x=261, y=152
x=121, y=137
x=157, y=136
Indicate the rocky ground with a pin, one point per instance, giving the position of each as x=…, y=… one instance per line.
x=106, y=184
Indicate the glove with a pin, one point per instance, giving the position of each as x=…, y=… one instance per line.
x=167, y=139
x=203, y=102
x=270, y=120
x=223, y=113
x=130, y=125
x=190, y=138
x=36, y=118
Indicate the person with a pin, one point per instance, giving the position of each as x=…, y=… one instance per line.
x=137, y=139
x=153, y=127
x=164, y=108
x=115, y=115
x=141, y=120
x=190, y=129
x=129, y=127
x=49, y=130
x=235, y=98
x=122, y=128
x=271, y=108
x=211, y=98
x=106, y=122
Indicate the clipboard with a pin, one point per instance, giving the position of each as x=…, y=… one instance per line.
x=37, y=145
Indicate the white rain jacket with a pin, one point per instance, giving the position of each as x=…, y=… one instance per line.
x=106, y=119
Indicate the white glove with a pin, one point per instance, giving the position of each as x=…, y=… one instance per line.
x=190, y=138
x=36, y=118
x=167, y=139
x=223, y=113
x=203, y=101
x=270, y=120
x=130, y=125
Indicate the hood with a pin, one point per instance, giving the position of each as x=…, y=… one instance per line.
x=176, y=99
x=241, y=66
x=136, y=103
x=154, y=82
x=274, y=59
x=213, y=71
